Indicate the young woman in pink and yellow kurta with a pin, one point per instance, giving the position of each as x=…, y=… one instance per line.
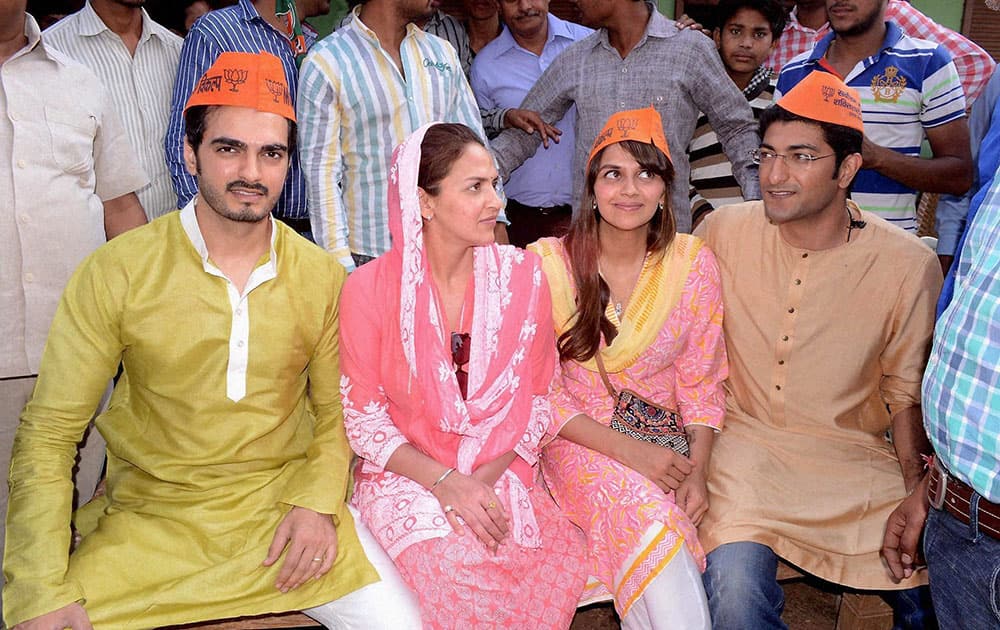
x=651, y=306
x=447, y=479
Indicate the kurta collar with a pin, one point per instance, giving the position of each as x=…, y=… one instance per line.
x=857, y=234
x=262, y=273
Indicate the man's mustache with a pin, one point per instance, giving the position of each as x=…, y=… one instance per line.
x=247, y=186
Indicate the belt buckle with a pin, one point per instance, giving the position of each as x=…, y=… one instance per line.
x=942, y=487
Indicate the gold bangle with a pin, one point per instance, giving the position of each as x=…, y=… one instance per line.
x=442, y=478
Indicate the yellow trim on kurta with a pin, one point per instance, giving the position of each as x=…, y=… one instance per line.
x=652, y=574
x=656, y=293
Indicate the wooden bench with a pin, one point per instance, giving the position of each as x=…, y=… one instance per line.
x=261, y=622
x=855, y=611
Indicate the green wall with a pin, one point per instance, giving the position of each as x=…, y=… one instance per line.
x=667, y=7
x=325, y=24
x=946, y=12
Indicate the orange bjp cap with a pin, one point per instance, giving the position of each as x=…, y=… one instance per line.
x=641, y=125
x=254, y=80
x=823, y=97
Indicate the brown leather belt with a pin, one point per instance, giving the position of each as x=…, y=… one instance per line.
x=948, y=493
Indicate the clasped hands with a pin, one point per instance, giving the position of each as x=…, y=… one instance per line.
x=670, y=470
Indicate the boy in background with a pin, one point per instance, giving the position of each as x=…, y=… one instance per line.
x=747, y=33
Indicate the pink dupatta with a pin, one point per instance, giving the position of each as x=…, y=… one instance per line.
x=502, y=413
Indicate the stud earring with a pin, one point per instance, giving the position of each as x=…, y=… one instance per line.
x=428, y=219
x=659, y=207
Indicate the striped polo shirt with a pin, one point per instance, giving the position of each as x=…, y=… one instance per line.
x=909, y=85
x=354, y=107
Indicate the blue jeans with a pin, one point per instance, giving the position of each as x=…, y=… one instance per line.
x=744, y=594
x=742, y=587
x=964, y=568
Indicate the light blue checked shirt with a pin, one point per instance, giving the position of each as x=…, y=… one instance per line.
x=961, y=393
x=354, y=107
x=239, y=28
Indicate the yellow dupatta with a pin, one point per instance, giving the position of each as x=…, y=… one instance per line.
x=656, y=293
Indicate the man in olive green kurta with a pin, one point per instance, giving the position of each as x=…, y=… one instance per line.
x=227, y=457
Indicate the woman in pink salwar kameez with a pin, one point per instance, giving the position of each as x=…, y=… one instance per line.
x=447, y=353
x=626, y=285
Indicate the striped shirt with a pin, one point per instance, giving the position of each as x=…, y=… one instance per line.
x=451, y=30
x=354, y=108
x=908, y=86
x=139, y=86
x=238, y=28
x=974, y=64
x=961, y=391
x=446, y=27
x=712, y=182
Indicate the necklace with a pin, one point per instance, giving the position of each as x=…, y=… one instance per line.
x=618, y=304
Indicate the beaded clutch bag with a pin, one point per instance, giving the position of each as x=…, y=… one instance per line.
x=643, y=420
x=638, y=418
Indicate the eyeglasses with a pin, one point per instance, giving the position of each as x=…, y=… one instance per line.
x=796, y=161
x=461, y=343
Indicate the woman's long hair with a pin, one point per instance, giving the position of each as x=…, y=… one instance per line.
x=583, y=245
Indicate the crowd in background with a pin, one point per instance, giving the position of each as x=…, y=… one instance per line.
x=405, y=319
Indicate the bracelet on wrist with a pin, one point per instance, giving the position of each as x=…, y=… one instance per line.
x=441, y=478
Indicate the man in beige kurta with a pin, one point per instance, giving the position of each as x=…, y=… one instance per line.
x=227, y=457
x=829, y=314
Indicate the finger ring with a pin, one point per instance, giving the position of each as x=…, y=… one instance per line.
x=491, y=505
x=317, y=559
x=448, y=508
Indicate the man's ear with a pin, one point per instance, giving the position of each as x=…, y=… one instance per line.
x=848, y=169
x=190, y=159
x=717, y=37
